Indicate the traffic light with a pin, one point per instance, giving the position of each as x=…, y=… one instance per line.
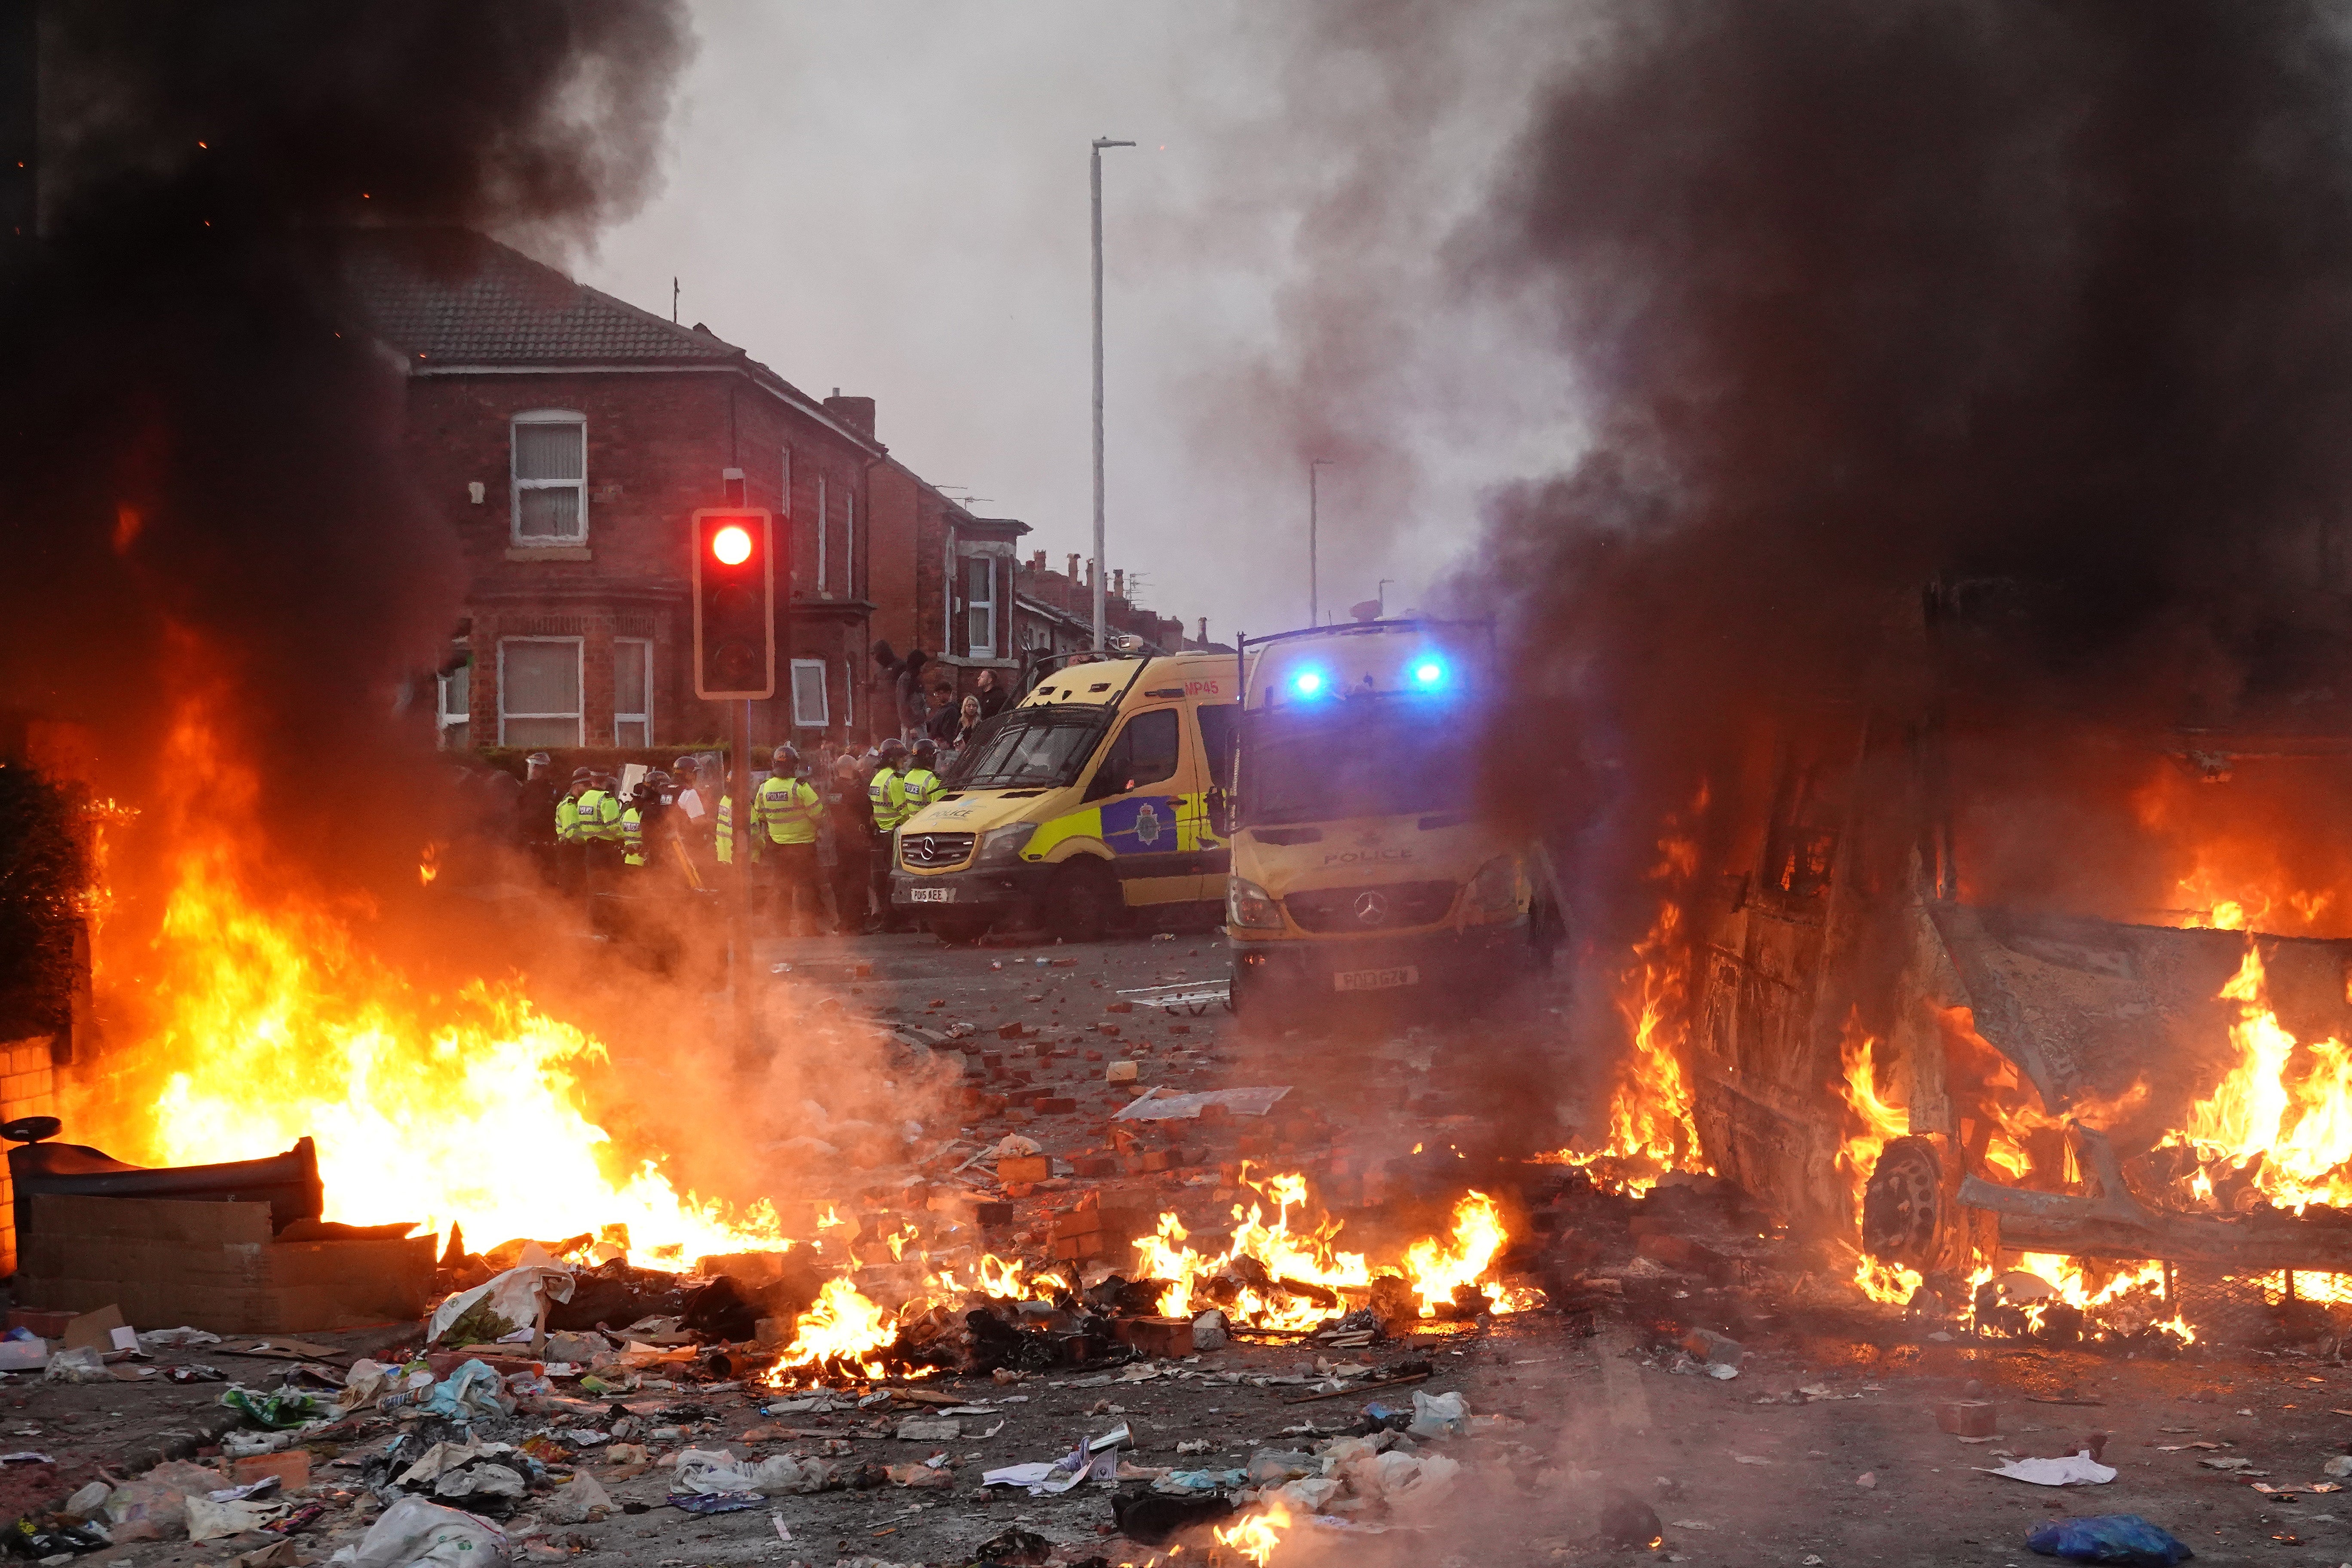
x=734, y=603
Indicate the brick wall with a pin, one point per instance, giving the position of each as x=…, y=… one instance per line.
x=658, y=446
x=28, y=1088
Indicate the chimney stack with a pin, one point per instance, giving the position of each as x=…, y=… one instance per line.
x=857, y=413
x=1204, y=631
x=1073, y=573
x=1118, y=583
x=1037, y=562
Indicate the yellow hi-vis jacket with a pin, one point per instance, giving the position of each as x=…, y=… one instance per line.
x=922, y=788
x=591, y=806
x=567, y=820
x=725, y=830
x=633, y=836
x=887, y=792
x=608, y=818
x=788, y=809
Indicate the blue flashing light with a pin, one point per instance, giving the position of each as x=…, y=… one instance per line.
x=1307, y=682
x=1428, y=673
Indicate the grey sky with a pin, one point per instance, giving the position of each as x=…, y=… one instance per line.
x=891, y=198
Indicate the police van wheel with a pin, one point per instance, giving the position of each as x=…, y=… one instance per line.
x=1081, y=901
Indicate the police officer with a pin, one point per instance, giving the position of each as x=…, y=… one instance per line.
x=921, y=785
x=600, y=829
x=571, y=834
x=535, y=821
x=786, y=811
x=886, y=797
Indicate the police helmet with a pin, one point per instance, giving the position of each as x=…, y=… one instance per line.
x=893, y=748
x=684, y=765
x=583, y=774
x=786, y=757
x=925, y=752
x=658, y=779
x=539, y=759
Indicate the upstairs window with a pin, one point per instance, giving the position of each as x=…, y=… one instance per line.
x=455, y=705
x=979, y=606
x=551, y=478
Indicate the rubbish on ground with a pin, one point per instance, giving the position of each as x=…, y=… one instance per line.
x=475, y=1392
x=261, y=1487
x=175, y=1339
x=1210, y=1331
x=1715, y=1349
x=1627, y=1520
x=715, y=1502
x=1152, y=1518
x=518, y=1299
x=23, y=1355
x=156, y=1506
x=1967, y=1417
x=2113, y=1538
x=2073, y=1470
x=91, y=1501
x=278, y=1410
x=1164, y=1105
x=94, y=1330
x=1438, y=1414
x=415, y=1533
x=79, y=1364
x=210, y=1520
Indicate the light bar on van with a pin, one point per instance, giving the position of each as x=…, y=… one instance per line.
x=1307, y=683
x=1428, y=674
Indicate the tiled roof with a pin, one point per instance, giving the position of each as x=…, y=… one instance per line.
x=455, y=297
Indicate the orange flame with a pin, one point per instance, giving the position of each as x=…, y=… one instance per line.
x=841, y=1324
x=1880, y=1122
x=1256, y=1536
x=269, y=1022
x=2283, y=1112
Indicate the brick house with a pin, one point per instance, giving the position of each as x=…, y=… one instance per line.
x=1054, y=612
x=570, y=436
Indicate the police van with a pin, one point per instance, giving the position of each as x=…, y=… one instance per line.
x=1361, y=862
x=1089, y=799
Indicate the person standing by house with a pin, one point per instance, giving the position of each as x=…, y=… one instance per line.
x=787, y=810
x=853, y=846
x=993, y=696
x=941, y=723
x=911, y=709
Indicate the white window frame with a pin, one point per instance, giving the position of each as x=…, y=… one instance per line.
x=579, y=688
x=800, y=721
x=445, y=718
x=971, y=648
x=517, y=484
x=645, y=697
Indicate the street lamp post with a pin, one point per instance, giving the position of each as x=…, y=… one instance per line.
x=1314, y=607
x=1095, y=176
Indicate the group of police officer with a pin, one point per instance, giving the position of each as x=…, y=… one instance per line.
x=602, y=840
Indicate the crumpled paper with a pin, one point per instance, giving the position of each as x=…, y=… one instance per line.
x=497, y=1308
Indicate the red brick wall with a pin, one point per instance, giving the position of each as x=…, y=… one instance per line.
x=28, y=1088
x=658, y=446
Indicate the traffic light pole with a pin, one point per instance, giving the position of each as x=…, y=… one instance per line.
x=739, y=967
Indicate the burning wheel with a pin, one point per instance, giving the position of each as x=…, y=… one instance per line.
x=1904, y=1213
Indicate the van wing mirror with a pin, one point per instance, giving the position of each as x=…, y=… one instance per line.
x=1220, y=812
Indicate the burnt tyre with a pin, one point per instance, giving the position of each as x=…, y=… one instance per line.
x=1908, y=1214
x=1081, y=901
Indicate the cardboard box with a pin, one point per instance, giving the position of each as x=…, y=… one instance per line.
x=212, y=1266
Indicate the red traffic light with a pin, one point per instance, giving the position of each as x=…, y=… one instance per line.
x=731, y=544
x=734, y=602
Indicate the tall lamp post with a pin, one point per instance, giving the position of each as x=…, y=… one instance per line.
x=1314, y=605
x=1095, y=176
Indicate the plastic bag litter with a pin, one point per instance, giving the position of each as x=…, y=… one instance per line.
x=1400, y=1480
x=174, y=1339
x=367, y=1382
x=1185, y=1483
x=442, y=1457
x=1309, y=1496
x=2073, y=1470
x=277, y=1411
x=78, y=1363
x=210, y=1520
x=578, y=1501
x=472, y=1392
x=1438, y=1414
x=716, y=1502
x=497, y=1308
x=481, y=1481
x=1268, y=1466
x=156, y=1506
x=90, y=1503
x=414, y=1533
x=2118, y=1538
x=712, y=1471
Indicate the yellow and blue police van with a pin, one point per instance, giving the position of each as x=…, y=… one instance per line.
x=1361, y=861
x=1089, y=801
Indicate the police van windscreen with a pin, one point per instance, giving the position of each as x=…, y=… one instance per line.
x=1363, y=757
x=1030, y=748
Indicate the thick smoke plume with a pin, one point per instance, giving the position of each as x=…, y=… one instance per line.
x=203, y=488
x=1862, y=297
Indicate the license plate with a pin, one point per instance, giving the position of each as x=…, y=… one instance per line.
x=1375, y=979
x=932, y=895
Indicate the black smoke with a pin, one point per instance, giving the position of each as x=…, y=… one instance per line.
x=1864, y=296
x=204, y=483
